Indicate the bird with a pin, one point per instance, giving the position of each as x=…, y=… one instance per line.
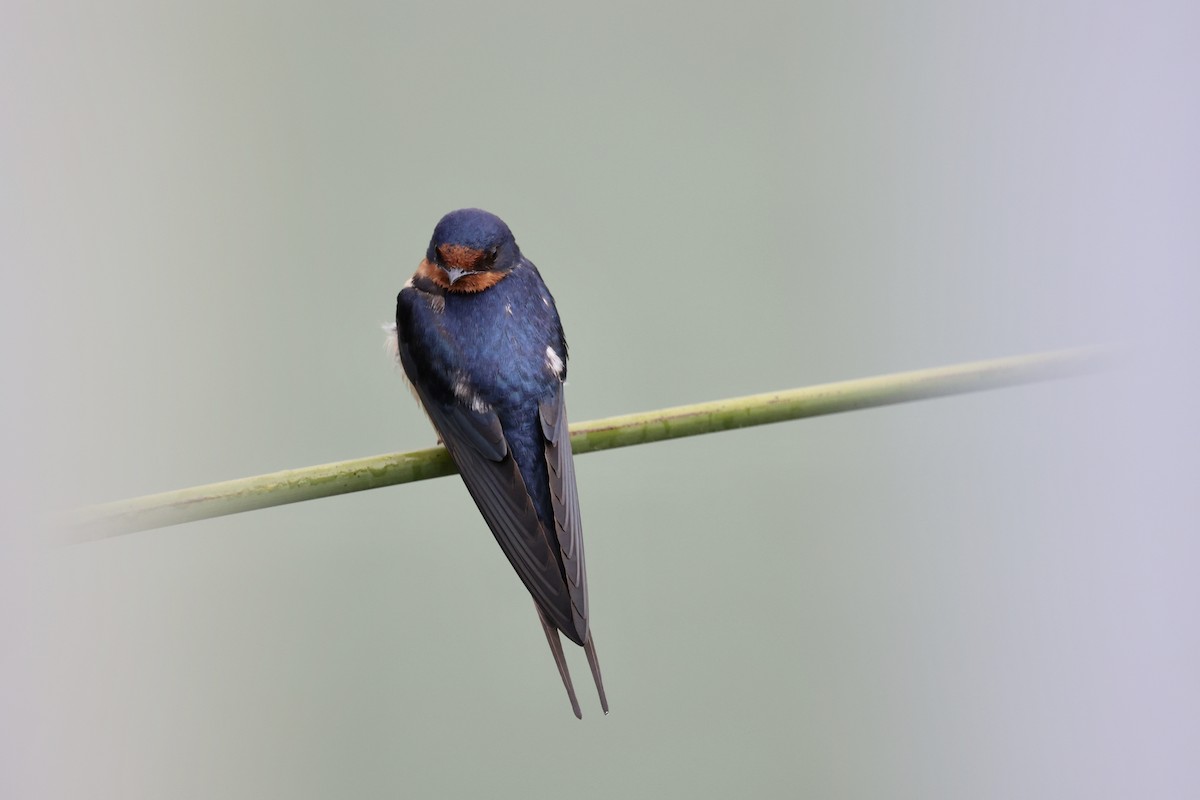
x=482, y=347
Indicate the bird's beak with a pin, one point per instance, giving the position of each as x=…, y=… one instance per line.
x=454, y=273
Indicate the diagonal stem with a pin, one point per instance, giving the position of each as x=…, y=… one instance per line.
x=326, y=480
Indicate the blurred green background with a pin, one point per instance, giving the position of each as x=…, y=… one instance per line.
x=208, y=209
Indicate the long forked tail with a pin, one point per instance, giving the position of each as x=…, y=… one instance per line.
x=560, y=660
x=590, y=648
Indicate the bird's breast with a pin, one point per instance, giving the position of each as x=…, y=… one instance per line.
x=504, y=349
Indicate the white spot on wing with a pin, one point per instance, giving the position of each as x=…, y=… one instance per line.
x=508, y=309
x=407, y=284
x=554, y=362
x=466, y=395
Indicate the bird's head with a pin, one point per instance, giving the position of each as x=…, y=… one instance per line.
x=471, y=250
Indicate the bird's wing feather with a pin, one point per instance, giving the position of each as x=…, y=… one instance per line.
x=564, y=497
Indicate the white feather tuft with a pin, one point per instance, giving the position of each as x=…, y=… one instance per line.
x=464, y=392
x=392, y=342
x=554, y=362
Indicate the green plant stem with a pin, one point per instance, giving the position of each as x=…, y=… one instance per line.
x=326, y=480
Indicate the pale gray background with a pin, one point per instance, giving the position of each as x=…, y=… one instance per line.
x=209, y=208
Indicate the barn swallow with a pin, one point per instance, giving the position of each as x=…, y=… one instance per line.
x=481, y=344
